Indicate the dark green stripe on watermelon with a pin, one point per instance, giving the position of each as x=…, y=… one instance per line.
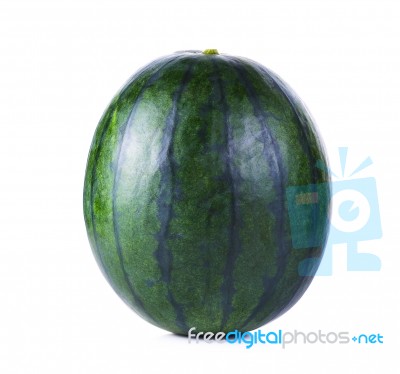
x=129, y=122
x=168, y=192
x=198, y=231
x=185, y=189
x=273, y=158
x=232, y=178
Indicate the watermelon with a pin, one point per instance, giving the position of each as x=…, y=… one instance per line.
x=190, y=198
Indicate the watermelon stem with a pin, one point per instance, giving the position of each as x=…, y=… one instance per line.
x=210, y=52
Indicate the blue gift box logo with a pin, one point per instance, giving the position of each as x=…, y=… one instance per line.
x=355, y=218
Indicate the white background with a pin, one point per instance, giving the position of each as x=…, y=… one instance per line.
x=60, y=64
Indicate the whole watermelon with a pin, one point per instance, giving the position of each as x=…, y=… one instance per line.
x=202, y=200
